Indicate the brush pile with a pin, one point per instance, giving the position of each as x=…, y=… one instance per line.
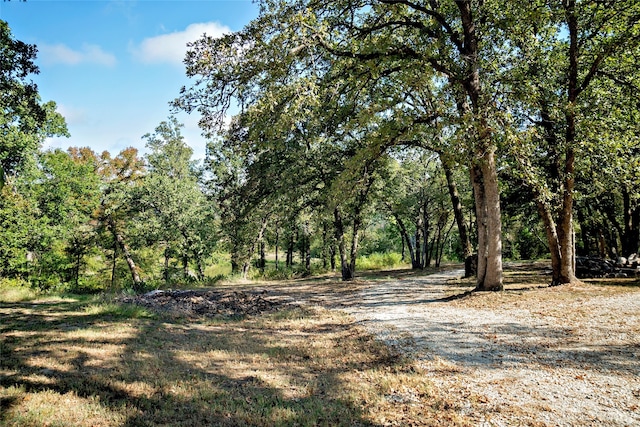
x=194, y=303
x=595, y=267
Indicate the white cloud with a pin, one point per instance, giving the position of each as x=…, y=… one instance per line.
x=63, y=54
x=171, y=48
x=72, y=115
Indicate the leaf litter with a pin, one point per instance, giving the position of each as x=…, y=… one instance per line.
x=204, y=303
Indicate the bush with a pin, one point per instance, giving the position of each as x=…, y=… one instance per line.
x=16, y=290
x=282, y=273
x=378, y=261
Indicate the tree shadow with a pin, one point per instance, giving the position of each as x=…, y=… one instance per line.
x=169, y=373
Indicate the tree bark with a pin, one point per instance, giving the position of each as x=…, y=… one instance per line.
x=426, y=229
x=137, y=282
x=417, y=263
x=631, y=237
x=185, y=266
x=200, y=266
x=565, y=223
x=307, y=249
x=290, y=247
x=339, y=234
x=552, y=238
x=493, y=275
x=276, y=245
x=405, y=237
x=465, y=242
x=353, y=255
x=114, y=264
x=481, y=220
x=484, y=173
x=302, y=245
x=325, y=244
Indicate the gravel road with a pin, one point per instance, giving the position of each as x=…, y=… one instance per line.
x=513, y=364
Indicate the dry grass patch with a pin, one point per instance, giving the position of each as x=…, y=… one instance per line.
x=526, y=286
x=101, y=363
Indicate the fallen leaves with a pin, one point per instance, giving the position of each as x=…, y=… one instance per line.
x=193, y=303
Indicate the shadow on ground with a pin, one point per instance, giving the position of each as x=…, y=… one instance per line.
x=153, y=372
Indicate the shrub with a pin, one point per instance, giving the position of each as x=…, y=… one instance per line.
x=16, y=290
x=378, y=261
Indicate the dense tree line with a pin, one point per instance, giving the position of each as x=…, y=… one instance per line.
x=428, y=128
x=482, y=84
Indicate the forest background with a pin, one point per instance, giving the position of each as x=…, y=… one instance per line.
x=369, y=133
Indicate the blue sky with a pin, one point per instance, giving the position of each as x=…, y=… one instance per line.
x=113, y=66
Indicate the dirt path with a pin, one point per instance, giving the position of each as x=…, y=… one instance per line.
x=570, y=359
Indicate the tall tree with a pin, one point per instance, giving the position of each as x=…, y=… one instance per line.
x=561, y=51
x=121, y=176
x=343, y=60
x=171, y=196
x=24, y=120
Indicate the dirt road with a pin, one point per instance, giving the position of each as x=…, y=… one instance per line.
x=557, y=357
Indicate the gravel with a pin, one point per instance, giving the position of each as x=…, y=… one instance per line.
x=573, y=364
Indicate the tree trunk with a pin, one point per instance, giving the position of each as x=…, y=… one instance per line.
x=493, y=275
x=166, y=266
x=290, y=247
x=307, y=249
x=137, y=282
x=185, y=267
x=483, y=169
x=263, y=258
x=236, y=258
x=465, y=242
x=552, y=238
x=339, y=234
x=631, y=237
x=302, y=245
x=245, y=269
x=258, y=240
x=277, y=243
x=481, y=219
x=354, y=245
x=405, y=237
x=332, y=256
x=416, y=263
x=235, y=267
x=325, y=244
x=426, y=229
x=114, y=264
x=565, y=223
x=200, y=266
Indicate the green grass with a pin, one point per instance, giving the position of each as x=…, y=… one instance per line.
x=117, y=310
x=379, y=261
x=15, y=291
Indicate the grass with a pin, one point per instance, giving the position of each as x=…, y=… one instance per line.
x=94, y=362
x=379, y=261
x=526, y=285
x=14, y=291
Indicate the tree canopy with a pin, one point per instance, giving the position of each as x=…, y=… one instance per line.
x=458, y=130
